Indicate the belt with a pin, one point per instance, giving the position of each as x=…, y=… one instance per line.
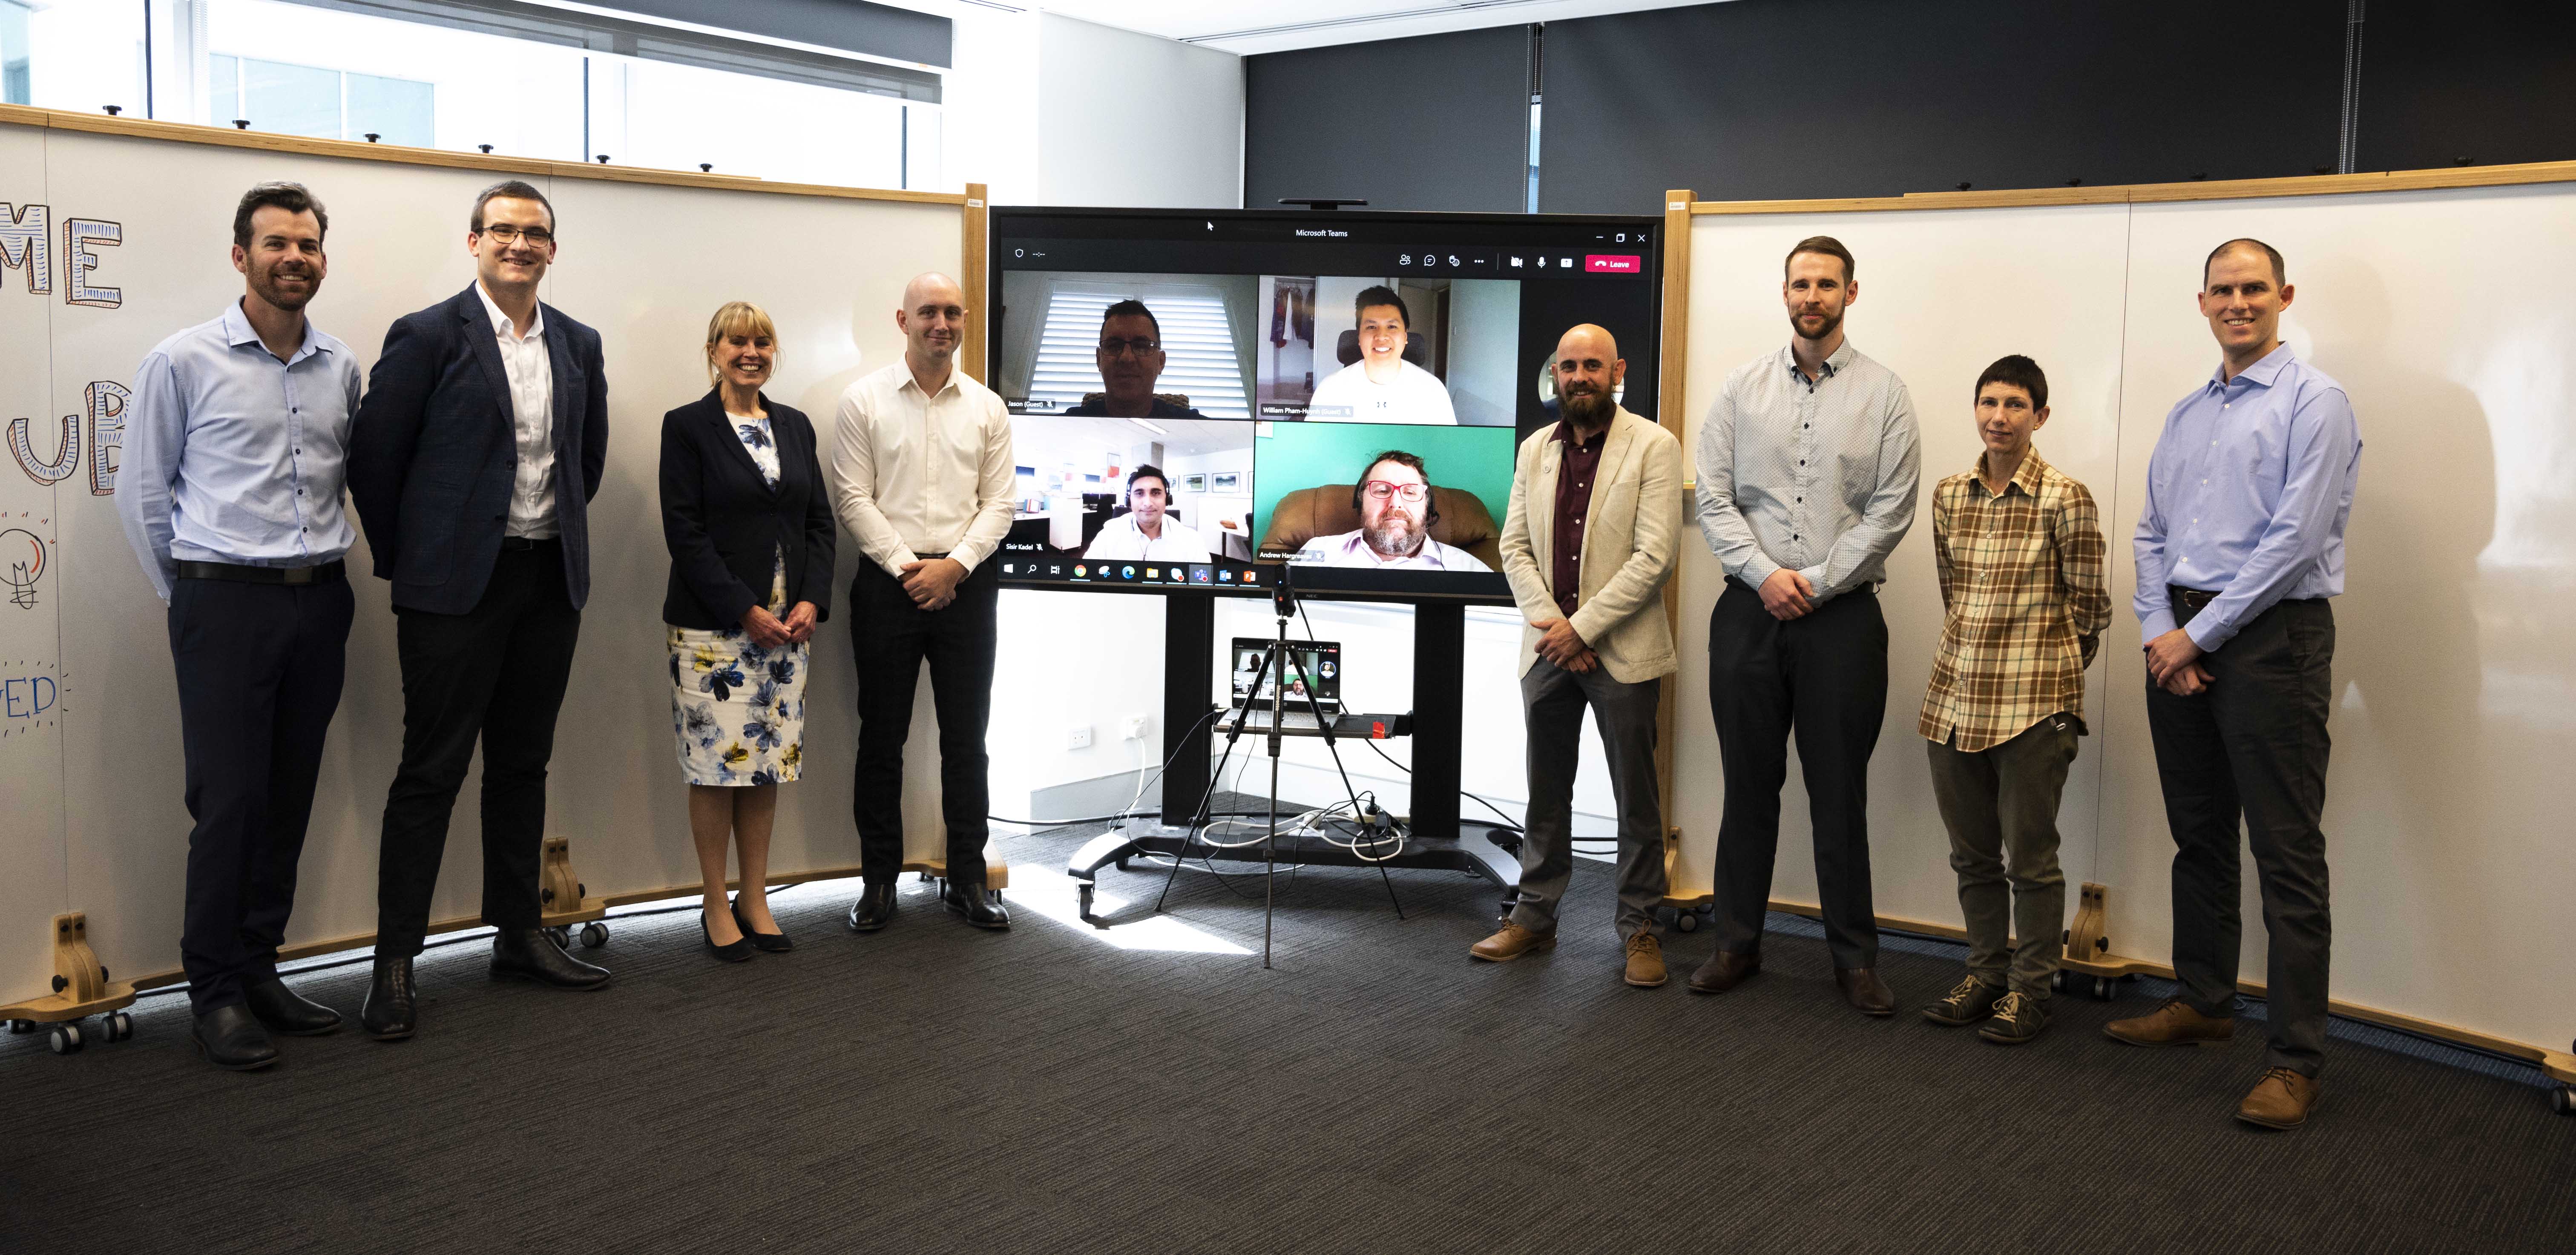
x=2188, y=598
x=327, y=573
x=529, y=542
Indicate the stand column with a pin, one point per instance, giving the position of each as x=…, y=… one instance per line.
x=1189, y=659
x=1439, y=696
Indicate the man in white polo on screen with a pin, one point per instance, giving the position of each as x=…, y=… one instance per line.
x=1147, y=530
x=1396, y=514
x=1381, y=387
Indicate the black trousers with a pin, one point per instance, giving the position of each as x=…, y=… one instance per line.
x=259, y=669
x=891, y=637
x=495, y=674
x=1823, y=678
x=2254, y=744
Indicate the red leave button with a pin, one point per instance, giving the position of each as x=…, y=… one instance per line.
x=1604, y=264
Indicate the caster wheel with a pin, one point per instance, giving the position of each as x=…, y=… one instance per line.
x=1083, y=907
x=562, y=937
x=594, y=935
x=1120, y=862
x=20, y=1028
x=2563, y=1101
x=119, y=1026
x=1689, y=922
x=2057, y=982
x=66, y=1039
x=2103, y=987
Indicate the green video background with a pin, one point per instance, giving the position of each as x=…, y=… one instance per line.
x=1305, y=454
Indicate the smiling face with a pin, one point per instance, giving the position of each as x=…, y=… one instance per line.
x=1147, y=498
x=743, y=358
x=2006, y=419
x=933, y=319
x=284, y=262
x=1393, y=526
x=1381, y=335
x=519, y=261
x=2242, y=299
x=1588, y=371
x=1816, y=294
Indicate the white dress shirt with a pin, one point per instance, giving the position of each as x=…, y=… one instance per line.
x=1120, y=539
x=1348, y=395
x=532, y=418
x=1351, y=548
x=915, y=474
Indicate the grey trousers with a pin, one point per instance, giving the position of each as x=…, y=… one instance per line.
x=2001, y=803
x=1553, y=699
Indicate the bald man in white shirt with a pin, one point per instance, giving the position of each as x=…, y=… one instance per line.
x=921, y=477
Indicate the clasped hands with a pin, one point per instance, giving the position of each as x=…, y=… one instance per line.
x=932, y=582
x=2173, y=662
x=1559, y=643
x=768, y=632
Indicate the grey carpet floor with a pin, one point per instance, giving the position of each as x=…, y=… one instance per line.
x=932, y=1088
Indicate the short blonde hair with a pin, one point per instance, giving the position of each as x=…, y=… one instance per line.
x=739, y=317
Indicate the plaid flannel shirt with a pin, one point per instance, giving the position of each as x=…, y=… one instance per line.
x=2026, y=596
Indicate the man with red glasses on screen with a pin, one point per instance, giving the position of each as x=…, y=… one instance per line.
x=1396, y=514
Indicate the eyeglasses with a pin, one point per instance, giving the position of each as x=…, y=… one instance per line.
x=1380, y=490
x=1140, y=346
x=538, y=236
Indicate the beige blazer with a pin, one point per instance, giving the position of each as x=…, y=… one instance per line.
x=1631, y=544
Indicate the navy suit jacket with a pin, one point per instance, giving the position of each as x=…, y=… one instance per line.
x=433, y=452
x=727, y=527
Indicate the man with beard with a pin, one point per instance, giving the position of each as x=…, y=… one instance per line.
x=235, y=454
x=1396, y=513
x=1808, y=465
x=472, y=465
x=1147, y=530
x=922, y=477
x=1130, y=357
x=1589, y=576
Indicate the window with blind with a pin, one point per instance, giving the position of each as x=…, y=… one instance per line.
x=1200, y=359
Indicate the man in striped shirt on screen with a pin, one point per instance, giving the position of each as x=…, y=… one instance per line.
x=2018, y=546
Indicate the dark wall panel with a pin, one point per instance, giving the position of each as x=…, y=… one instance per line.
x=2495, y=85
x=1774, y=99
x=1438, y=122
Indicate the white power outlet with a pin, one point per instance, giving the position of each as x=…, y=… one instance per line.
x=1078, y=738
x=1135, y=727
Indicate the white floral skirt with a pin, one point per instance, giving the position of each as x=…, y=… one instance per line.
x=738, y=708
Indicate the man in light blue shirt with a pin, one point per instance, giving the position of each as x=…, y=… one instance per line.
x=230, y=495
x=2239, y=546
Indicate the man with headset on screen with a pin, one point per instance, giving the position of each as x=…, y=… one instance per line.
x=1381, y=387
x=1130, y=357
x=1147, y=530
x=1396, y=513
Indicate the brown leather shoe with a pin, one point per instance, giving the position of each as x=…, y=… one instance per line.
x=1724, y=970
x=1865, y=991
x=2281, y=1100
x=1510, y=943
x=2175, y=1023
x=1645, y=960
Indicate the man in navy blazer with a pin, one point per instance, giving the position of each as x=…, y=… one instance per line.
x=472, y=458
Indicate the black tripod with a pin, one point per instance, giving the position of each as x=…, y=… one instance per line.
x=1276, y=660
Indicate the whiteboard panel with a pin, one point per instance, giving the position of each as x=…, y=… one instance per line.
x=33, y=685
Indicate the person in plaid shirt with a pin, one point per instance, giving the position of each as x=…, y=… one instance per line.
x=2018, y=545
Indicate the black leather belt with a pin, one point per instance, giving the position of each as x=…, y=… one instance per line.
x=528, y=542
x=326, y=573
x=2188, y=598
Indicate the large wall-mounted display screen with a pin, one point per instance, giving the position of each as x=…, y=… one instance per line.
x=1222, y=399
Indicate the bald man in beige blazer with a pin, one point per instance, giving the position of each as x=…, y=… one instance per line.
x=1593, y=533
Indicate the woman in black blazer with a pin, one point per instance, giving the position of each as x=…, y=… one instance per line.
x=749, y=523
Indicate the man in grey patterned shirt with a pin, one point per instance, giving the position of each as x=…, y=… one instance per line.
x=1807, y=472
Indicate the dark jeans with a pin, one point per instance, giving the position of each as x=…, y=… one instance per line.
x=1554, y=700
x=259, y=669
x=890, y=637
x=1822, y=677
x=2254, y=744
x=2001, y=802
x=495, y=674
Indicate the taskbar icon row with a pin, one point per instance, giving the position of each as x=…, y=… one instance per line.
x=1167, y=573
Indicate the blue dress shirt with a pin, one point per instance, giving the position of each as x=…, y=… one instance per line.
x=2247, y=494
x=234, y=456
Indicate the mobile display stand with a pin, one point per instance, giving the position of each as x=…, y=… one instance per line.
x=1436, y=838
x=567, y=901
x=81, y=988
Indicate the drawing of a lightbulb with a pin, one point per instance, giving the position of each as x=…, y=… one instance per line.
x=24, y=554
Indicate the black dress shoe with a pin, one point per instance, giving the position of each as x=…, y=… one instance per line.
x=739, y=950
x=976, y=904
x=1725, y=970
x=392, y=1003
x=281, y=1010
x=771, y=942
x=529, y=954
x=231, y=1038
x=1864, y=990
x=875, y=907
